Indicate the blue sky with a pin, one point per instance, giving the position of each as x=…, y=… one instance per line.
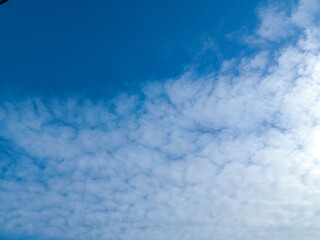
x=158, y=121
x=59, y=46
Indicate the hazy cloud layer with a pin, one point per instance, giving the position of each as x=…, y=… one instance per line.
x=231, y=155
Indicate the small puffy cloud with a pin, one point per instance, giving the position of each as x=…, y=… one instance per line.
x=277, y=22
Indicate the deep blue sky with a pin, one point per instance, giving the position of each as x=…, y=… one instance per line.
x=99, y=45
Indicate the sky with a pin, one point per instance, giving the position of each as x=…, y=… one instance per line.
x=51, y=47
x=160, y=120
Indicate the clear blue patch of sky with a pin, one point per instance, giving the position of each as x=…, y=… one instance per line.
x=106, y=46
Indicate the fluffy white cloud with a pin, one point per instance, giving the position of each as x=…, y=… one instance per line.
x=222, y=156
x=278, y=21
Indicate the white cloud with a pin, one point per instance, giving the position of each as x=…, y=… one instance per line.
x=224, y=156
x=275, y=24
x=279, y=21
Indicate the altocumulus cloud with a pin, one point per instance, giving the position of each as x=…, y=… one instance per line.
x=230, y=155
